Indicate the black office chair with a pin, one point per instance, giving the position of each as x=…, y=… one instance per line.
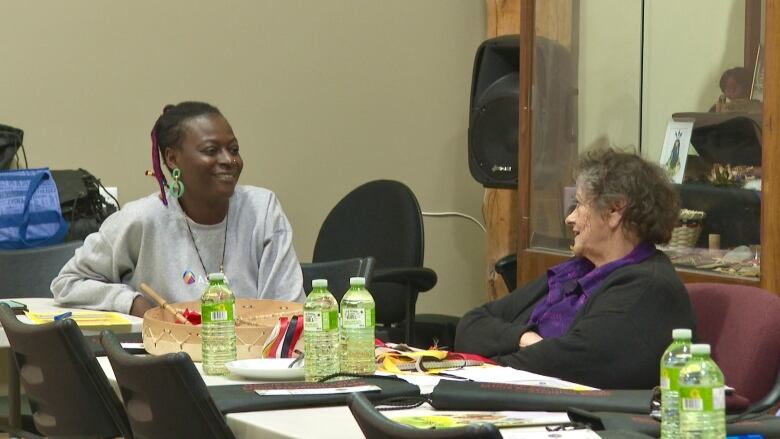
x=29, y=272
x=337, y=273
x=164, y=395
x=382, y=219
x=69, y=394
x=441, y=328
x=376, y=426
x=507, y=268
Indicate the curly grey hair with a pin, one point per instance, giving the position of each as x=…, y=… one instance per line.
x=609, y=177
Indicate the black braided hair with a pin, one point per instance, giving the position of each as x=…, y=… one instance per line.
x=169, y=125
x=167, y=133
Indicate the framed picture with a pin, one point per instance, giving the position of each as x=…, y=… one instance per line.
x=675, y=151
x=757, y=89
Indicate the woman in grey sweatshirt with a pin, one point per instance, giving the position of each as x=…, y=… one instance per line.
x=206, y=223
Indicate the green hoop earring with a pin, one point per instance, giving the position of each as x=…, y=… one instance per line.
x=176, y=187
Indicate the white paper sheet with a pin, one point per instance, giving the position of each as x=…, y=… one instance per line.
x=508, y=375
x=320, y=391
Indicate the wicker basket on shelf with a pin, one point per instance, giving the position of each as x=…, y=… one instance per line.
x=688, y=229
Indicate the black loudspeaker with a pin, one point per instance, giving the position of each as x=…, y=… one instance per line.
x=494, y=112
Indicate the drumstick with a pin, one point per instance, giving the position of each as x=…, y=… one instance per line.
x=164, y=304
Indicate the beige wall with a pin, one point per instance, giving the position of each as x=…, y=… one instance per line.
x=688, y=45
x=323, y=96
x=686, y=51
x=609, y=68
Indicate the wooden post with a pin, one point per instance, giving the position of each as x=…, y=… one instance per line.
x=770, y=201
x=499, y=206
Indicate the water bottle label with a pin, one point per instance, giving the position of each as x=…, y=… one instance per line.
x=319, y=321
x=719, y=398
x=358, y=318
x=697, y=399
x=217, y=312
x=312, y=321
x=670, y=377
x=692, y=404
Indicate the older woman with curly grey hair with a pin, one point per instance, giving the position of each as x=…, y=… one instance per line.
x=604, y=317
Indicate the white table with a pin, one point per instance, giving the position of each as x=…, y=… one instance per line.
x=46, y=305
x=291, y=423
x=337, y=422
x=334, y=422
x=43, y=305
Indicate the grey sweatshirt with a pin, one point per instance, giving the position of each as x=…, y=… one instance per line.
x=148, y=242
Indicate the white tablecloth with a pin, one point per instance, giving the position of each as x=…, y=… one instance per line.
x=45, y=305
x=322, y=422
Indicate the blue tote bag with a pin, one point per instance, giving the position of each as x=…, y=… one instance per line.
x=30, y=214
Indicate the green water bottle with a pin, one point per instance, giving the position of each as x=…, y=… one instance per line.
x=218, y=325
x=675, y=357
x=358, y=320
x=320, y=332
x=702, y=397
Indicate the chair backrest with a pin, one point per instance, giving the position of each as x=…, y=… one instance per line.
x=381, y=219
x=164, y=395
x=742, y=325
x=337, y=273
x=375, y=425
x=29, y=272
x=69, y=394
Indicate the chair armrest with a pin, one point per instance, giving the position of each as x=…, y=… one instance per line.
x=768, y=400
x=421, y=278
x=508, y=262
x=507, y=268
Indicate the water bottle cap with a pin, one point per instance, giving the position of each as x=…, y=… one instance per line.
x=700, y=349
x=216, y=276
x=357, y=281
x=682, y=333
x=319, y=283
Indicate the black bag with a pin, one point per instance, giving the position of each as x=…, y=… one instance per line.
x=243, y=398
x=10, y=140
x=462, y=395
x=83, y=206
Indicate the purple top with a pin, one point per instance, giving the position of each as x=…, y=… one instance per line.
x=571, y=284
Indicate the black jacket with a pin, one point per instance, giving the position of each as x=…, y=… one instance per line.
x=615, y=341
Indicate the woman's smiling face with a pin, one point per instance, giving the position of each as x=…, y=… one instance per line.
x=208, y=157
x=591, y=231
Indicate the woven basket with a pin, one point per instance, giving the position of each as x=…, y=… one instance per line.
x=688, y=229
x=254, y=321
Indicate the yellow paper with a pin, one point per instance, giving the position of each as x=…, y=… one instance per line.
x=86, y=319
x=390, y=358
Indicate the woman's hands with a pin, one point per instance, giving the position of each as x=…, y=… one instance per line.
x=528, y=338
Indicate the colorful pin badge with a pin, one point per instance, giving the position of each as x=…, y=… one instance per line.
x=189, y=277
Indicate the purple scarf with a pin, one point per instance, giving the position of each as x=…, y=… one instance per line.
x=571, y=284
